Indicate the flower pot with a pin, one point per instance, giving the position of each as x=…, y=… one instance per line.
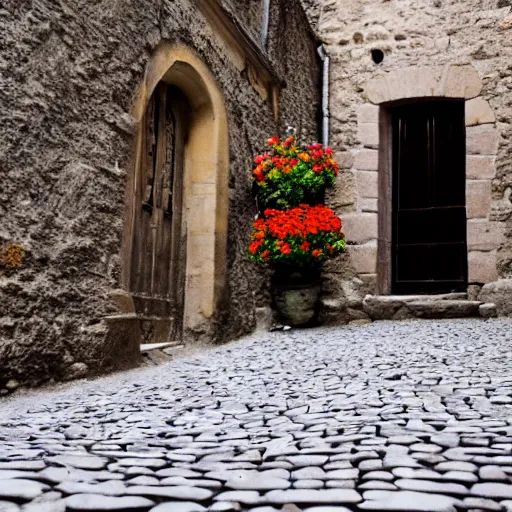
x=296, y=299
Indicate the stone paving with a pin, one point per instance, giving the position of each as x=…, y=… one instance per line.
x=407, y=416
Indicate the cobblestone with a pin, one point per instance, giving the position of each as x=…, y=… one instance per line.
x=412, y=416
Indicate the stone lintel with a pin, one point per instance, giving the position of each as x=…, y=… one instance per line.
x=451, y=81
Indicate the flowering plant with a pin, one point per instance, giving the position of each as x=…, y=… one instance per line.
x=289, y=174
x=302, y=237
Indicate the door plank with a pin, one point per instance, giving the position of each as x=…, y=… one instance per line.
x=161, y=151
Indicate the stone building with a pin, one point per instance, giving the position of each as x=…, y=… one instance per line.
x=128, y=128
x=421, y=119
x=127, y=132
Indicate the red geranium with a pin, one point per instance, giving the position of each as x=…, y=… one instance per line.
x=302, y=237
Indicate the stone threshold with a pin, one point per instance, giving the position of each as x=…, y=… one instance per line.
x=402, y=307
x=154, y=354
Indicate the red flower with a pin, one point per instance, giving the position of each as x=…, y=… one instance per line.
x=317, y=253
x=259, y=235
x=328, y=151
x=265, y=254
x=289, y=141
x=294, y=162
x=305, y=246
x=286, y=249
x=260, y=159
x=259, y=224
x=318, y=168
x=259, y=175
x=273, y=141
x=253, y=248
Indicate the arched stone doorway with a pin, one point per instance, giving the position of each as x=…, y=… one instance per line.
x=177, y=202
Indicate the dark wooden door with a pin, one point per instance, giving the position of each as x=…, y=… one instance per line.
x=429, y=250
x=158, y=254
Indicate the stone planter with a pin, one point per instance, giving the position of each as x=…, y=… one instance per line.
x=296, y=298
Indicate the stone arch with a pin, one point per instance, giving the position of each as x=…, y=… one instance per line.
x=206, y=174
x=372, y=168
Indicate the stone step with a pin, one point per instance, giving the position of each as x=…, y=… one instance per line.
x=488, y=310
x=149, y=347
x=400, y=307
x=444, y=308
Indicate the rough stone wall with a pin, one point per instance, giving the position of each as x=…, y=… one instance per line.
x=68, y=74
x=410, y=33
x=249, y=13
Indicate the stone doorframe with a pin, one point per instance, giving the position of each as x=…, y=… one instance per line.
x=373, y=169
x=206, y=176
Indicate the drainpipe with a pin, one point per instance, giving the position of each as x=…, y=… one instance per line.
x=325, y=95
x=266, y=22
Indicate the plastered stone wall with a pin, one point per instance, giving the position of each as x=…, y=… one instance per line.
x=420, y=40
x=68, y=75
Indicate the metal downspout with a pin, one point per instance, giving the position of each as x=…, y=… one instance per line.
x=325, y=95
x=266, y=22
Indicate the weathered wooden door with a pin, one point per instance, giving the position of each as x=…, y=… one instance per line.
x=159, y=242
x=429, y=250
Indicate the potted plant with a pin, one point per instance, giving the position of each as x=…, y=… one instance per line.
x=295, y=242
x=290, y=174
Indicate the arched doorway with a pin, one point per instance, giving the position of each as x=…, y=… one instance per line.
x=177, y=200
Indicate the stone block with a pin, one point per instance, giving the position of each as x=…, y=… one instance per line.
x=499, y=293
x=480, y=167
x=482, y=267
x=450, y=81
x=460, y=82
x=488, y=310
x=368, y=204
x=478, y=198
x=482, y=140
x=364, y=257
x=360, y=228
x=368, y=113
x=344, y=193
x=122, y=300
x=366, y=160
x=444, y=308
x=263, y=317
x=485, y=235
x=367, y=183
x=474, y=291
x=478, y=111
x=345, y=159
x=368, y=134
x=123, y=335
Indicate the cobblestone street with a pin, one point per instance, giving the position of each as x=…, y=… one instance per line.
x=406, y=416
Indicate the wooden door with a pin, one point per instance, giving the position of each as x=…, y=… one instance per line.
x=429, y=250
x=158, y=255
